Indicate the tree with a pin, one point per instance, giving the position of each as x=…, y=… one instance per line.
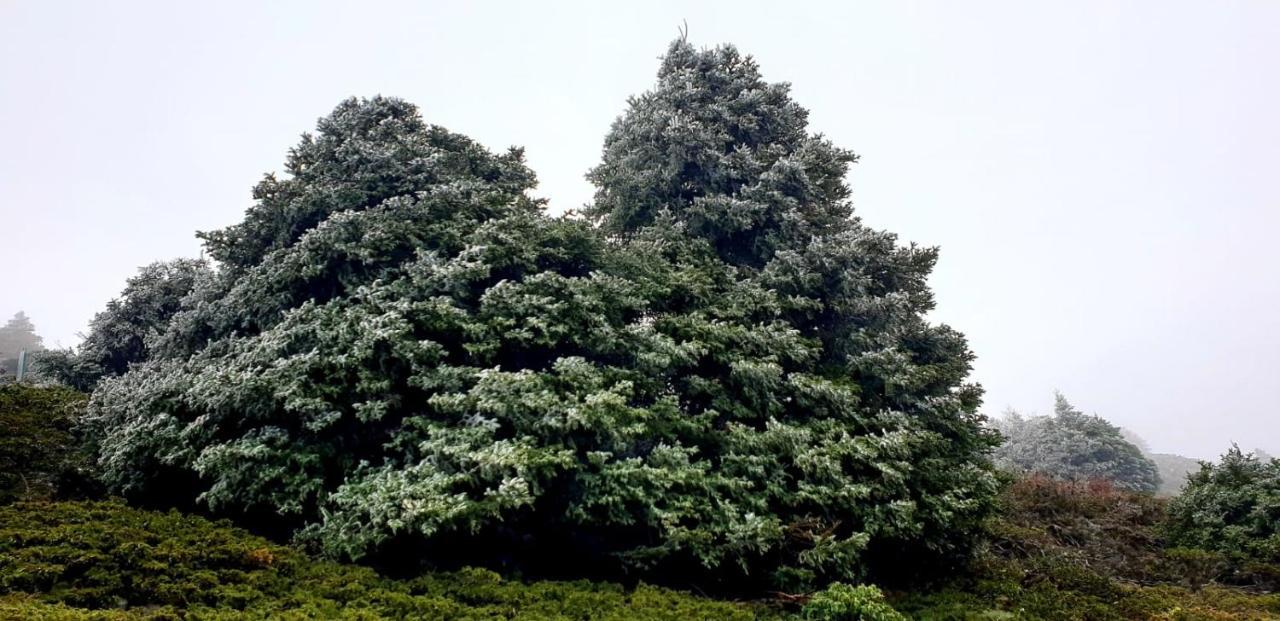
x=123, y=333
x=1174, y=470
x=853, y=430
x=1072, y=445
x=1231, y=510
x=712, y=378
x=1133, y=438
x=1232, y=507
x=16, y=336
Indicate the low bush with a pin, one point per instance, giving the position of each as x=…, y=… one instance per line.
x=1091, y=524
x=1233, y=508
x=841, y=602
x=1053, y=556
x=104, y=560
x=39, y=454
x=1086, y=550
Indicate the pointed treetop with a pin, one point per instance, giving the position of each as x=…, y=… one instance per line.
x=363, y=153
x=727, y=153
x=18, y=334
x=1063, y=408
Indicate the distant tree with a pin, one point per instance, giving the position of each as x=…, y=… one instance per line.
x=1232, y=507
x=1174, y=470
x=1133, y=438
x=123, y=333
x=17, y=335
x=1071, y=445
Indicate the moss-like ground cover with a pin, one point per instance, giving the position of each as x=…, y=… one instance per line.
x=104, y=560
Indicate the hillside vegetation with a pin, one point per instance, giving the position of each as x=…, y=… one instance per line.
x=1060, y=551
x=715, y=379
x=1088, y=550
x=714, y=374
x=1054, y=550
x=104, y=560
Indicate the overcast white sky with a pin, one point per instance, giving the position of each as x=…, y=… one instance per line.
x=1101, y=176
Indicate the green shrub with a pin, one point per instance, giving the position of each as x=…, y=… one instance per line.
x=1194, y=568
x=104, y=560
x=841, y=602
x=39, y=453
x=1085, y=550
x=1232, y=509
x=1090, y=524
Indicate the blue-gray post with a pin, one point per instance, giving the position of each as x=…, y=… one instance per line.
x=22, y=364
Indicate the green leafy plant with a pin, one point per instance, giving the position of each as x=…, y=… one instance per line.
x=1233, y=507
x=841, y=602
x=123, y=333
x=1194, y=568
x=39, y=451
x=103, y=560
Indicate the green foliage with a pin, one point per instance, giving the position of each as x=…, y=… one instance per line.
x=39, y=453
x=1195, y=567
x=725, y=155
x=721, y=377
x=1075, y=550
x=1073, y=446
x=102, y=560
x=841, y=602
x=1087, y=524
x=122, y=334
x=1232, y=507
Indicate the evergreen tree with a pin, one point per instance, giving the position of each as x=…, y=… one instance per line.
x=1174, y=471
x=1072, y=445
x=17, y=335
x=1232, y=507
x=721, y=375
x=124, y=332
x=853, y=434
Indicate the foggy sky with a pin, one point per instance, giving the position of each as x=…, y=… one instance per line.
x=1101, y=176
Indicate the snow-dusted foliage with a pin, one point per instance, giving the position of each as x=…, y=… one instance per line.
x=123, y=333
x=1232, y=507
x=1074, y=446
x=718, y=372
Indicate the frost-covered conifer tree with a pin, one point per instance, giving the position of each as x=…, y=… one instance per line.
x=124, y=332
x=838, y=422
x=719, y=375
x=1074, y=446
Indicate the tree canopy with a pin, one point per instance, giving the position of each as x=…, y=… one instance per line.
x=717, y=373
x=124, y=333
x=1232, y=507
x=1072, y=445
